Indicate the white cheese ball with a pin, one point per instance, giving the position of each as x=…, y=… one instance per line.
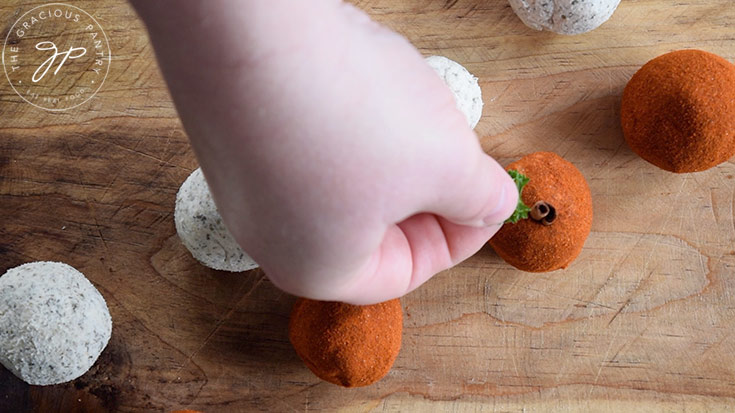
x=464, y=86
x=202, y=231
x=53, y=323
x=564, y=16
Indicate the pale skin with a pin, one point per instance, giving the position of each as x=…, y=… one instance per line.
x=335, y=155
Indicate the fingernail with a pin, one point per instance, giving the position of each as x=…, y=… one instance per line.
x=502, y=209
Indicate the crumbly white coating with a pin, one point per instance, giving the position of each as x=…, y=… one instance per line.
x=464, y=86
x=53, y=322
x=564, y=16
x=202, y=231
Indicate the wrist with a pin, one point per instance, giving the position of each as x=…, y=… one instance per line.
x=254, y=16
x=217, y=33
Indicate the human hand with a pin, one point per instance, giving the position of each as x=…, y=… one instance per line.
x=335, y=155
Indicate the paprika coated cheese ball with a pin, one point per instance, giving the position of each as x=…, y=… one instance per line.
x=344, y=344
x=678, y=111
x=539, y=246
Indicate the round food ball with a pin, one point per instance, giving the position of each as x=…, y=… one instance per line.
x=529, y=245
x=464, y=86
x=202, y=231
x=53, y=323
x=564, y=16
x=345, y=344
x=678, y=111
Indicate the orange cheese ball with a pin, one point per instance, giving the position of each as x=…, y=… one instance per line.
x=678, y=111
x=345, y=344
x=531, y=246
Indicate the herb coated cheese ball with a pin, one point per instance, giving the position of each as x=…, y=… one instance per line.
x=678, y=111
x=202, y=231
x=53, y=323
x=564, y=16
x=348, y=345
x=464, y=87
x=532, y=246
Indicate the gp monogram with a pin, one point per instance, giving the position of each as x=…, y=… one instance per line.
x=56, y=56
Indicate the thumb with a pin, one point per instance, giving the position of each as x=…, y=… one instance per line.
x=476, y=192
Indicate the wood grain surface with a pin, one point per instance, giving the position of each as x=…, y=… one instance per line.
x=642, y=321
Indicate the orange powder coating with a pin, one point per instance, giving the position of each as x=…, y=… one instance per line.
x=678, y=111
x=345, y=344
x=531, y=246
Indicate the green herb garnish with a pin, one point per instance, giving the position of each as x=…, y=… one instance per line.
x=522, y=209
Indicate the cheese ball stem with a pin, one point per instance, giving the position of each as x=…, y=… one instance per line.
x=543, y=212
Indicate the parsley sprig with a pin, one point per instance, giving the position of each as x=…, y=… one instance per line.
x=522, y=209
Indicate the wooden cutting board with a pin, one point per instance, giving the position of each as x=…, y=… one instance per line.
x=643, y=320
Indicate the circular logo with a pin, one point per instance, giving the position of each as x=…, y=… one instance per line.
x=56, y=56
